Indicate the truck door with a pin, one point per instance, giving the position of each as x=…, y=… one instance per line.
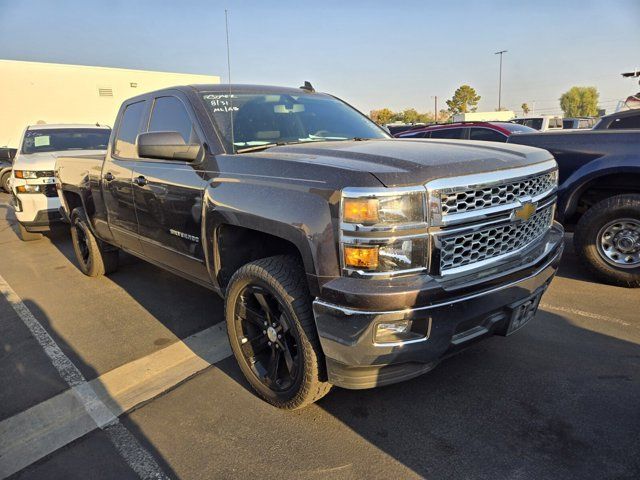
x=168, y=195
x=117, y=172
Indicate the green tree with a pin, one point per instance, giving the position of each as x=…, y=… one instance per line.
x=383, y=116
x=410, y=115
x=427, y=117
x=580, y=102
x=444, y=116
x=465, y=99
x=525, y=108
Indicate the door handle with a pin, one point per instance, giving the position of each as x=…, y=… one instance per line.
x=140, y=181
x=109, y=176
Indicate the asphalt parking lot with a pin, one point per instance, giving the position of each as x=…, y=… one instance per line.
x=560, y=399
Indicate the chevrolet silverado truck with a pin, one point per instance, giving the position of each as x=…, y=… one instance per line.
x=599, y=197
x=345, y=257
x=34, y=196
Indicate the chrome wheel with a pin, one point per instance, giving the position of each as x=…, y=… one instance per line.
x=619, y=243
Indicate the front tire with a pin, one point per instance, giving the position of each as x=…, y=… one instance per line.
x=4, y=182
x=272, y=332
x=94, y=257
x=27, y=236
x=607, y=239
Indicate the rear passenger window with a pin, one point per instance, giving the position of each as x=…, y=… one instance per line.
x=487, y=135
x=128, y=130
x=453, y=133
x=170, y=115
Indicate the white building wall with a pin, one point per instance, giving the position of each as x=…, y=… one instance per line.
x=32, y=92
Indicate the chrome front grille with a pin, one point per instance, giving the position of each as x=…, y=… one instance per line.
x=460, y=250
x=480, y=198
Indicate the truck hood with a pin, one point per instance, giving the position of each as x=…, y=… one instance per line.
x=403, y=162
x=47, y=160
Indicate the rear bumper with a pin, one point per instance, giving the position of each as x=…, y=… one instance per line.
x=456, y=318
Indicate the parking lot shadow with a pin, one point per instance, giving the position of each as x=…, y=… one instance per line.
x=92, y=455
x=553, y=401
x=192, y=307
x=571, y=266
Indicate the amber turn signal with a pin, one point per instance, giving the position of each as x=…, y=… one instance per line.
x=361, y=257
x=360, y=210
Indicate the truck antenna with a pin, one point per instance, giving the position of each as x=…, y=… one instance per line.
x=308, y=87
x=226, y=24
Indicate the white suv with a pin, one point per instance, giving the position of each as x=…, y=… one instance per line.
x=33, y=186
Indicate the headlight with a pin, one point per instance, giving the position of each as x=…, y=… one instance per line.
x=25, y=174
x=384, y=209
x=29, y=188
x=384, y=231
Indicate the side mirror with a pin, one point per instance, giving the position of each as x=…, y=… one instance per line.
x=167, y=146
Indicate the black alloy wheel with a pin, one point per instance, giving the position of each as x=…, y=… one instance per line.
x=94, y=257
x=272, y=332
x=83, y=245
x=268, y=345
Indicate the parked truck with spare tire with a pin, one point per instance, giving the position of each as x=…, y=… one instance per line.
x=345, y=257
x=599, y=197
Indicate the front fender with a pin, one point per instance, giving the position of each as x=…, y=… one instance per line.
x=296, y=212
x=574, y=186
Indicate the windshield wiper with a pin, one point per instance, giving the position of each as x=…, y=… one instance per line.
x=256, y=148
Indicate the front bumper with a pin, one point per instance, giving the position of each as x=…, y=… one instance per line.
x=453, y=316
x=36, y=212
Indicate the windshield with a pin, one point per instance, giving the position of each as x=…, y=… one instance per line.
x=535, y=123
x=517, y=128
x=61, y=139
x=262, y=119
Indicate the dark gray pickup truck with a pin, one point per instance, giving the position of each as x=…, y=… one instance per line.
x=345, y=257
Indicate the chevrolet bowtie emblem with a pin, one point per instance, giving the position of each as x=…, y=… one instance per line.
x=525, y=211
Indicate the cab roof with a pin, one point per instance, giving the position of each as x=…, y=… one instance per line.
x=241, y=88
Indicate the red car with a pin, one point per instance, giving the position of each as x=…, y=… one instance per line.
x=488, y=131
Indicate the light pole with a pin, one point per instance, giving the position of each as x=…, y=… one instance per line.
x=435, y=112
x=500, y=80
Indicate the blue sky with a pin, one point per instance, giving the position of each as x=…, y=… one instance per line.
x=374, y=54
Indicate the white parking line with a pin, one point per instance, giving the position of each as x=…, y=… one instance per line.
x=582, y=313
x=136, y=456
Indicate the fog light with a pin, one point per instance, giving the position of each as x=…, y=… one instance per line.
x=28, y=189
x=361, y=257
x=391, y=332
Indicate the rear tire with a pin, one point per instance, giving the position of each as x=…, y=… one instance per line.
x=272, y=332
x=27, y=236
x=94, y=257
x=4, y=182
x=604, y=239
